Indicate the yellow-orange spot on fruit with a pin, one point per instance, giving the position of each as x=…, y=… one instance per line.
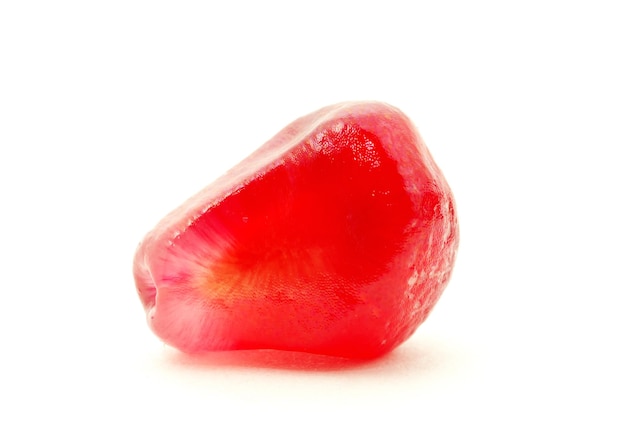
x=244, y=277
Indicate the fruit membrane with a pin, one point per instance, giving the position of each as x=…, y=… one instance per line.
x=335, y=237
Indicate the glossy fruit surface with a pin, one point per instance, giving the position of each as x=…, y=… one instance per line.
x=336, y=237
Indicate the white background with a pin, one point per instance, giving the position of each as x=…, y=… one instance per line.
x=112, y=113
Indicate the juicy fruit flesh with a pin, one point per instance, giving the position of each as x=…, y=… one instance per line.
x=336, y=237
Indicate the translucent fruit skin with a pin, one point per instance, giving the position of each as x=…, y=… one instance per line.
x=335, y=237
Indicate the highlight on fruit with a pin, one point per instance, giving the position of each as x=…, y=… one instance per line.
x=335, y=237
